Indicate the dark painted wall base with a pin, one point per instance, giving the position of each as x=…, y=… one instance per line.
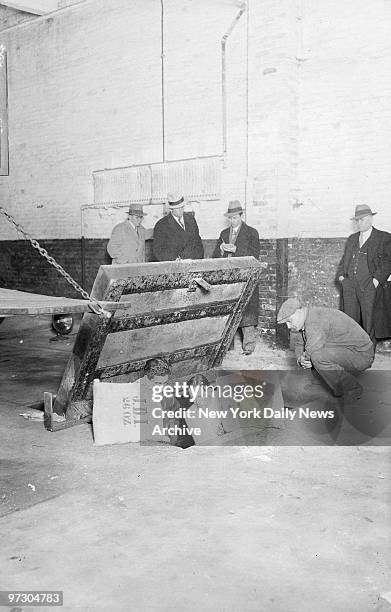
x=289, y=266
x=23, y=268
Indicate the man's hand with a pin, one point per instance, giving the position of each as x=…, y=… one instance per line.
x=229, y=247
x=341, y=278
x=304, y=362
x=375, y=282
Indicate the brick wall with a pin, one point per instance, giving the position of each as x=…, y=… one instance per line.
x=21, y=267
x=312, y=268
x=267, y=287
x=65, y=3
x=85, y=93
x=308, y=120
x=273, y=115
x=10, y=17
x=344, y=115
x=308, y=107
x=304, y=267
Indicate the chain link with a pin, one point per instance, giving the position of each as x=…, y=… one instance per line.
x=95, y=306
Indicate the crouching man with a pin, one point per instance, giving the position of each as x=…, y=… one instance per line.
x=333, y=344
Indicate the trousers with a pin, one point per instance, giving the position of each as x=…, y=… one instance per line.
x=337, y=366
x=358, y=304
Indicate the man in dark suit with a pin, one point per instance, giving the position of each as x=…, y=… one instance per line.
x=366, y=263
x=241, y=240
x=176, y=236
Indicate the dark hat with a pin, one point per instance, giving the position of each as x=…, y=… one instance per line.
x=234, y=208
x=175, y=200
x=362, y=210
x=136, y=210
x=287, y=309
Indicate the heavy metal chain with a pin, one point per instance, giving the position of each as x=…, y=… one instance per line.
x=94, y=305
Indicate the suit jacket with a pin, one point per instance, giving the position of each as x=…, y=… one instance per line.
x=170, y=241
x=247, y=243
x=378, y=254
x=126, y=245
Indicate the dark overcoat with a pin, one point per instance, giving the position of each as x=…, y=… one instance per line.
x=170, y=241
x=247, y=243
x=378, y=254
x=382, y=311
x=379, y=264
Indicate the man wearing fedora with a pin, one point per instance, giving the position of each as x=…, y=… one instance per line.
x=332, y=343
x=176, y=236
x=366, y=263
x=127, y=241
x=241, y=240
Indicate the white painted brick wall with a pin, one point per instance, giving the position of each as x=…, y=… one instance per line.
x=345, y=115
x=85, y=94
x=272, y=115
x=10, y=17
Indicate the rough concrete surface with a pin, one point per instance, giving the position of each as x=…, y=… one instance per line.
x=128, y=527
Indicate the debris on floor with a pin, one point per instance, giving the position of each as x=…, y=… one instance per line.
x=32, y=415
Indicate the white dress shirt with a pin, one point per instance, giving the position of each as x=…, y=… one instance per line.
x=364, y=237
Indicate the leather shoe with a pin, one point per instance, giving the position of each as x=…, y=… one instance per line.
x=249, y=348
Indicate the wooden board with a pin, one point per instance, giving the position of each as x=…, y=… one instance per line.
x=142, y=343
x=165, y=314
x=182, y=298
x=14, y=302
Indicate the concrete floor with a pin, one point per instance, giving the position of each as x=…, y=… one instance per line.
x=127, y=527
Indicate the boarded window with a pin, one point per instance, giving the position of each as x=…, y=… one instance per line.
x=198, y=178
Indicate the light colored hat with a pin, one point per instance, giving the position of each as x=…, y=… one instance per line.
x=175, y=200
x=234, y=208
x=362, y=210
x=136, y=210
x=287, y=309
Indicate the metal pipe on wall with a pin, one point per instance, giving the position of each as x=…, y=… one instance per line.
x=82, y=249
x=224, y=76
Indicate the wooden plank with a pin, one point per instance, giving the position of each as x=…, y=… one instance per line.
x=190, y=330
x=53, y=425
x=198, y=354
x=14, y=302
x=171, y=315
x=121, y=271
x=81, y=365
x=116, y=280
x=150, y=341
x=232, y=324
x=180, y=298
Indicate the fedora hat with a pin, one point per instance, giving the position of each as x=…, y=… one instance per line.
x=362, y=210
x=175, y=200
x=234, y=208
x=287, y=309
x=136, y=210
